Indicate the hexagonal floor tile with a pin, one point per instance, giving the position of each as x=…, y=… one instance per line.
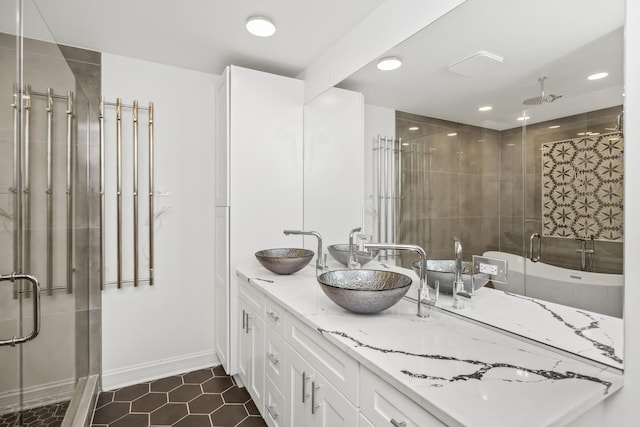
x=130, y=393
x=111, y=412
x=149, y=402
x=166, y=384
x=205, y=404
x=252, y=421
x=236, y=395
x=197, y=377
x=185, y=393
x=132, y=420
x=194, y=421
x=217, y=385
x=228, y=415
x=168, y=414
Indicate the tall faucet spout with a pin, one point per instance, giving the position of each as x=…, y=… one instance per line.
x=422, y=291
x=353, y=261
x=320, y=265
x=458, y=284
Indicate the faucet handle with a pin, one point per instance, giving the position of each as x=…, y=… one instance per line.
x=362, y=240
x=431, y=301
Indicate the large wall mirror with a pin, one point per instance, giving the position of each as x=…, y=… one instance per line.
x=510, y=128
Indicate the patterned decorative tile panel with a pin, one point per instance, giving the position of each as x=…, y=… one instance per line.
x=582, y=187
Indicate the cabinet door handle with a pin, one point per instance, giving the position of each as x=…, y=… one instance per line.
x=273, y=415
x=304, y=386
x=314, y=387
x=248, y=317
x=274, y=315
x=244, y=322
x=272, y=358
x=398, y=423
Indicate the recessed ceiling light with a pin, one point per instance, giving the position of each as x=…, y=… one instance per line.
x=261, y=26
x=597, y=76
x=452, y=134
x=414, y=128
x=389, y=63
x=521, y=118
x=554, y=127
x=485, y=108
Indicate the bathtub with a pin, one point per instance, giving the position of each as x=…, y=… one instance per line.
x=598, y=292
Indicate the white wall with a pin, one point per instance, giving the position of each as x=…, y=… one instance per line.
x=150, y=332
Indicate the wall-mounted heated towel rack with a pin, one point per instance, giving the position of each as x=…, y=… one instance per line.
x=387, y=189
x=135, y=109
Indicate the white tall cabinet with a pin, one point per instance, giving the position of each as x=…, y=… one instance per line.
x=259, y=184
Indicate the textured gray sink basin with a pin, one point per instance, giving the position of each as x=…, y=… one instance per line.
x=341, y=254
x=284, y=260
x=364, y=291
x=444, y=271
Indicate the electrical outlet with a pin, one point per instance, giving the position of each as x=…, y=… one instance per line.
x=488, y=268
x=496, y=268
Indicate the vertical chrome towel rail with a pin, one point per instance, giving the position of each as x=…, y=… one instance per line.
x=26, y=201
x=119, y=106
x=69, y=192
x=387, y=178
x=119, y=188
x=49, y=191
x=101, y=130
x=135, y=193
x=17, y=187
x=151, y=192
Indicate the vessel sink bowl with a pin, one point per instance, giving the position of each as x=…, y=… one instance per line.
x=284, y=260
x=364, y=291
x=444, y=271
x=341, y=254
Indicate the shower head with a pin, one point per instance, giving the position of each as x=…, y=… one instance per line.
x=542, y=99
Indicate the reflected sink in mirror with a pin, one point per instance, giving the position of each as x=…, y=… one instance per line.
x=364, y=291
x=444, y=271
x=340, y=253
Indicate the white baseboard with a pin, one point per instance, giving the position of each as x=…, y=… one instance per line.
x=36, y=396
x=153, y=370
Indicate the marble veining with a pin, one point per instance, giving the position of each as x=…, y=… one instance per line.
x=479, y=374
x=606, y=350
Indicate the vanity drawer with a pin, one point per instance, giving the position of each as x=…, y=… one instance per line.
x=383, y=405
x=274, y=365
x=274, y=410
x=252, y=297
x=332, y=363
x=274, y=316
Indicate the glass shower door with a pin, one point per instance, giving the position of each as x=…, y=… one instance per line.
x=45, y=204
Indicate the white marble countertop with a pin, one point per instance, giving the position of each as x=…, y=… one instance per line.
x=460, y=372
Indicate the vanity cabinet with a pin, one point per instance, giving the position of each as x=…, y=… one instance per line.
x=251, y=344
x=311, y=400
x=296, y=377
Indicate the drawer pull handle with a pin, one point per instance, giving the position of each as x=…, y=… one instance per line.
x=304, y=386
x=273, y=415
x=398, y=423
x=314, y=387
x=272, y=358
x=274, y=315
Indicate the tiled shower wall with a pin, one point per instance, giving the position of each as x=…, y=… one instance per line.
x=473, y=185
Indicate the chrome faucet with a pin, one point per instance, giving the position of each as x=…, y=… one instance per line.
x=321, y=262
x=423, y=291
x=586, y=253
x=353, y=258
x=458, y=284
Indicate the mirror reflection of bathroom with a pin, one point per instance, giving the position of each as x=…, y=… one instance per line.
x=523, y=161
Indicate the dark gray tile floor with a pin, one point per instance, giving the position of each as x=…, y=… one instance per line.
x=48, y=415
x=203, y=398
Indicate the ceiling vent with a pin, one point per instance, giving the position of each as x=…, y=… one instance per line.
x=475, y=64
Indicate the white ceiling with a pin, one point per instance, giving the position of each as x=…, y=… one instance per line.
x=205, y=35
x=564, y=40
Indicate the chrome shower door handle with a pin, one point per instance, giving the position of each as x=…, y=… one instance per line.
x=539, y=247
x=35, y=284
